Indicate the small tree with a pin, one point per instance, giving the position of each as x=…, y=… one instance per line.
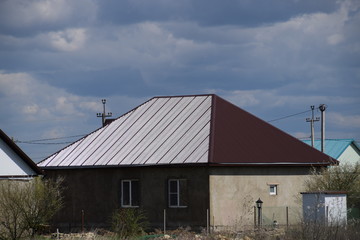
x=26, y=206
x=340, y=178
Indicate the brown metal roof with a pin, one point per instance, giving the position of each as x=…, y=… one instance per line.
x=196, y=129
x=239, y=137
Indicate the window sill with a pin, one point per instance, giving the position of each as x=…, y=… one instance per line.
x=177, y=206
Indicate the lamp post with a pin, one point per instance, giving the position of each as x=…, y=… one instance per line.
x=259, y=205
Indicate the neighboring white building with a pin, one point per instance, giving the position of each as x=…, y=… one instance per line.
x=14, y=163
x=346, y=151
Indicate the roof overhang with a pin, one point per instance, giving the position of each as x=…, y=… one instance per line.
x=277, y=164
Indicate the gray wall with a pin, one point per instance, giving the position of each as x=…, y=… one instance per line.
x=234, y=190
x=97, y=192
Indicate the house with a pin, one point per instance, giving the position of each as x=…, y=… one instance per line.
x=346, y=151
x=200, y=159
x=15, y=164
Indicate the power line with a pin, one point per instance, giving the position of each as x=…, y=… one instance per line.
x=44, y=141
x=49, y=139
x=55, y=143
x=288, y=116
x=39, y=141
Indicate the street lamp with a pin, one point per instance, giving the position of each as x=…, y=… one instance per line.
x=259, y=205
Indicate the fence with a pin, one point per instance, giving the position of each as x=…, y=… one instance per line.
x=353, y=213
x=286, y=216
x=281, y=215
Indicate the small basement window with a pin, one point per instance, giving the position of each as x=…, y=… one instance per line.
x=273, y=189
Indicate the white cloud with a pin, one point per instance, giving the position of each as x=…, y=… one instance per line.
x=68, y=40
x=32, y=13
x=335, y=39
x=36, y=100
x=31, y=109
x=339, y=119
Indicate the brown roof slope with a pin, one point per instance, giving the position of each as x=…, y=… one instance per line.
x=238, y=137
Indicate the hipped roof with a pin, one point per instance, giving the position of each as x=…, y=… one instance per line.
x=197, y=129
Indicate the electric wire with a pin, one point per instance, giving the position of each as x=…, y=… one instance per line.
x=41, y=141
x=44, y=141
x=288, y=116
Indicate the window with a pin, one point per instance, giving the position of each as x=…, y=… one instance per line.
x=273, y=189
x=177, y=189
x=130, y=193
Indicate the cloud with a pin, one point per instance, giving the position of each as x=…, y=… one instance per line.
x=59, y=58
x=209, y=12
x=29, y=99
x=26, y=17
x=33, y=99
x=68, y=40
x=172, y=52
x=348, y=121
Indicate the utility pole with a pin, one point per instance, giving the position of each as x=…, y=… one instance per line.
x=312, y=120
x=103, y=115
x=322, y=108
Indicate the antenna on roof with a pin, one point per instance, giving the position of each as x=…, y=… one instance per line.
x=103, y=115
x=312, y=120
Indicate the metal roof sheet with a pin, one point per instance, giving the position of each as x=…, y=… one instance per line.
x=186, y=130
x=239, y=137
x=163, y=130
x=333, y=147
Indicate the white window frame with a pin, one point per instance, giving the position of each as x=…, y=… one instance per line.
x=130, y=193
x=177, y=193
x=275, y=189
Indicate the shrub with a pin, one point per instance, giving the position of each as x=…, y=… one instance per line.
x=338, y=178
x=26, y=206
x=128, y=222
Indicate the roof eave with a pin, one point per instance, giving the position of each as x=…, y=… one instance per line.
x=124, y=166
x=275, y=164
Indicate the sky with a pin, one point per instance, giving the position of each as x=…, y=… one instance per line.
x=274, y=59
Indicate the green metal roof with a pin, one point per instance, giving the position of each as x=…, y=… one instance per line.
x=333, y=147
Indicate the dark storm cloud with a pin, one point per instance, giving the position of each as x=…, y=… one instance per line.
x=119, y=81
x=210, y=12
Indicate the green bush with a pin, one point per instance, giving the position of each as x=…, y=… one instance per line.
x=128, y=222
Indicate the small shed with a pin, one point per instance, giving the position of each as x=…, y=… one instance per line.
x=328, y=207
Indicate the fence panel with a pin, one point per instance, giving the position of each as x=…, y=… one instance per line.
x=281, y=215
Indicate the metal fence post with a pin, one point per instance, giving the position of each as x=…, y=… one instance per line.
x=287, y=216
x=207, y=221
x=164, y=221
x=254, y=217
x=82, y=220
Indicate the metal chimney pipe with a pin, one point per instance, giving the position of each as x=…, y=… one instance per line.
x=322, y=108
